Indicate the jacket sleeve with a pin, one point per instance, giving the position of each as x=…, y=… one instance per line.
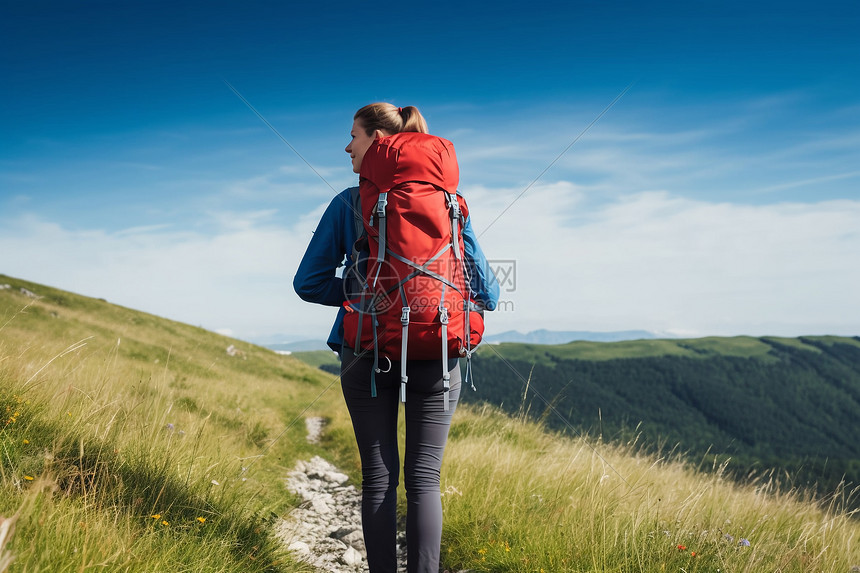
x=316, y=279
x=483, y=281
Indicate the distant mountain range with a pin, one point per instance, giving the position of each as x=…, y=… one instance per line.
x=544, y=336
x=285, y=343
x=299, y=346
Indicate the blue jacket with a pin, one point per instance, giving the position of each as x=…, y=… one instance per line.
x=317, y=279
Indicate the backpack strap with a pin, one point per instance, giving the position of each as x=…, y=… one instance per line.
x=423, y=269
x=357, y=217
x=375, y=368
x=381, y=204
x=446, y=376
x=404, y=321
x=467, y=306
x=360, y=243
x=454, y=208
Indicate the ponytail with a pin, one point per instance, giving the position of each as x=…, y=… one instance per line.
x=390, y=119
x=412, y=119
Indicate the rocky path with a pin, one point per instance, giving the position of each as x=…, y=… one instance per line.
x=325, y=530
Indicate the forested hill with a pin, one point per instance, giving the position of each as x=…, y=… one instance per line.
x=792, y=404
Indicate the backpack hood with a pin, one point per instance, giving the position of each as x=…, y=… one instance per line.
x=411, y=156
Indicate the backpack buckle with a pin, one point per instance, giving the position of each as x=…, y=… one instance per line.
x=381, y=204
x=404, y=316
x=454, y=205
x=443, y=315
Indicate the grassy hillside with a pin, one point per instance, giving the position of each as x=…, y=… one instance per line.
x=767, y=402
x=737, y=346
x=325, y=359
x=133, y=443
x=139, y=443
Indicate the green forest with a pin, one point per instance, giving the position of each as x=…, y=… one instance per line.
x=790, y=405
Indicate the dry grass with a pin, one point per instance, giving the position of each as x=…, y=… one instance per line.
x=519, y=499
x=114, y=417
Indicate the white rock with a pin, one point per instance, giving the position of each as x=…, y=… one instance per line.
x=314, y=426
x=355, y=539
x=329, y=520
x=320, y=506
x=351, y=557
x=338, y=478
x=299, y=547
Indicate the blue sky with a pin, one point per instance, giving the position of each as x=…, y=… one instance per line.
x=720, y=195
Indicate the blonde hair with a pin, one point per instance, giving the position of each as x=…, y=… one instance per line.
x=390, y=119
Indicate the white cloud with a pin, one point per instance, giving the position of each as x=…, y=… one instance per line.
x=648, y=260
x=665, y=263
x=237, y=280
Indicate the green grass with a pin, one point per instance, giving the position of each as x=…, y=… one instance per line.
x=114, y=417
x=799, y=343
x=134, y=443
x=317, y=358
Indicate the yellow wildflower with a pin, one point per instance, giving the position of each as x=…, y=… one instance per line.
x=165, y=523
x=28, y=478
x=482, y=551
x=155, y=516
x=201, y=519
x=26, y=442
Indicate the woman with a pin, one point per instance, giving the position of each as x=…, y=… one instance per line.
x=374, y=418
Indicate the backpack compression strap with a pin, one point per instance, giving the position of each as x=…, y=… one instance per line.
x=380, y=215
x=454, y=207
x=357, y=218
x=446, y=376
x=404, y=321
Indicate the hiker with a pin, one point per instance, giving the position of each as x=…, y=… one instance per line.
x=374, y=379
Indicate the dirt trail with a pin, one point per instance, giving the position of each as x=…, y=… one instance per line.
x=325, y=530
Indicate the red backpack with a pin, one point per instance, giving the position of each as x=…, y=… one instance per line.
x=414, y=300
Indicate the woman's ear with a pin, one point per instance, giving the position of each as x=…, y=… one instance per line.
x=379, y=133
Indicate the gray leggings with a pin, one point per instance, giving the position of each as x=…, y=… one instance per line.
x=375, y=423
